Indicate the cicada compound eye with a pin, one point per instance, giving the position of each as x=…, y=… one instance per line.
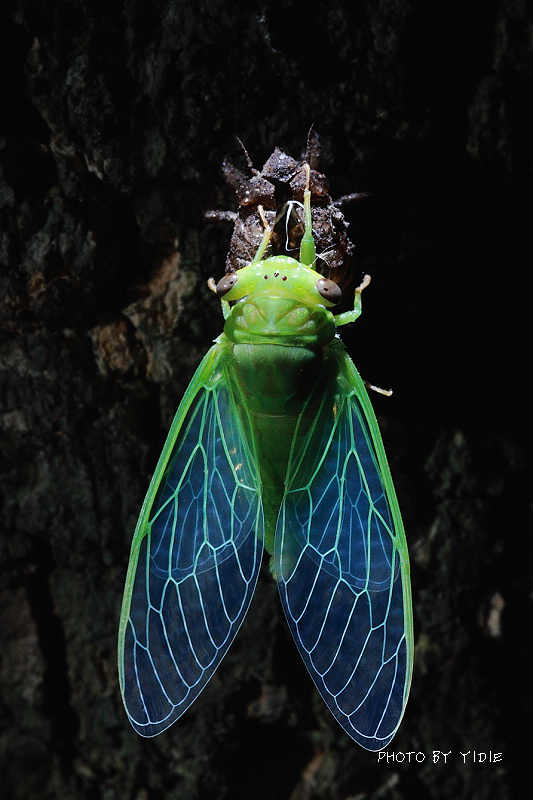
x=329, y=290
x=226, y=283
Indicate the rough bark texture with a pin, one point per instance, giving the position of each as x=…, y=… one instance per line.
x=115, y=117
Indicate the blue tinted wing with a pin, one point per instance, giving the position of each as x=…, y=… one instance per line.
x=342, y=564
x=195, y=556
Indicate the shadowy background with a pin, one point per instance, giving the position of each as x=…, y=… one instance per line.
x=114, y=119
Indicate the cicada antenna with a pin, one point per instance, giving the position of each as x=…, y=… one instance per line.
x=308, y=144
x=313, y=150
x=248, y=159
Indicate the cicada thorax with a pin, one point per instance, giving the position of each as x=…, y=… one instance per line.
x=277, y=336
x=288, y=321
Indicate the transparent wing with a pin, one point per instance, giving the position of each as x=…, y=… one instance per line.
x=342, y=565
x=195, y=556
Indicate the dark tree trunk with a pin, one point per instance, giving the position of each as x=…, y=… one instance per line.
x=114, y=120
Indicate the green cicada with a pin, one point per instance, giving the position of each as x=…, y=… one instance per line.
x=275, y=445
